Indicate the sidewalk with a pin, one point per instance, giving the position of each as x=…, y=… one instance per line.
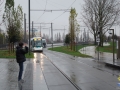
x=104, y=57
x=8, y=74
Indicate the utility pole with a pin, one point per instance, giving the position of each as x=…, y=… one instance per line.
x=49, y=33
x=40, y=29
x=29, y=23
x=32, y=29
x=52, y=35
x=24, y=27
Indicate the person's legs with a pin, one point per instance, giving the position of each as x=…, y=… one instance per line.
x=20, y=71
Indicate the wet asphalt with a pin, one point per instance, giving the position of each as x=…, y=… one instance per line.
x=86, y=73
x=57, y=71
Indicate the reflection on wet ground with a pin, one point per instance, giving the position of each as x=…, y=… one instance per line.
x=100, y=56
x=87, y=73
x=8, y=75
x=47, y=76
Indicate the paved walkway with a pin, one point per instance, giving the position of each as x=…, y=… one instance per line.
x=101, y=56
x=39, y=74
x=8, y=74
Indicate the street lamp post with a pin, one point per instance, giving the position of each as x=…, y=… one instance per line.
x=113, y=43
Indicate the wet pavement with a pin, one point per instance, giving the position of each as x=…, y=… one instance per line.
x=57, y=71
x=47, y=77
x=8, y=74
x=85, y=72
x=101, y=56
x=39, y=74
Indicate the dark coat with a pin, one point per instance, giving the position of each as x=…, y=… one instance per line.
x=20, y=54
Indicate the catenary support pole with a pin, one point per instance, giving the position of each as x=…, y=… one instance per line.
x=24, y=27
x=29, y=23
x=52, y=35
x=32, y=29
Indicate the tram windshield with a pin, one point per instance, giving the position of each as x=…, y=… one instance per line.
x=37, y=43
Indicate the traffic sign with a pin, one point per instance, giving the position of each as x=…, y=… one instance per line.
x=98, y=40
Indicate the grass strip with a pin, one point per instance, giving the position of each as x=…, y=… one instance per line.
x=5, y=54
x=67, y=50
x=108, y=49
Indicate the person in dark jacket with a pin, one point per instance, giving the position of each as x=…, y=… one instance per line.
x=20, y=58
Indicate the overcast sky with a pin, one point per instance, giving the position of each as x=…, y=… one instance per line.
x=58, y=18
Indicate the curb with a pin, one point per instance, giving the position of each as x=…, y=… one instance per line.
x=112, y=65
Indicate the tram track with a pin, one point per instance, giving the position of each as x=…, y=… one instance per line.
x=76, y=86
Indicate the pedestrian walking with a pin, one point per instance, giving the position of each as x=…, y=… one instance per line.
x=21, y=50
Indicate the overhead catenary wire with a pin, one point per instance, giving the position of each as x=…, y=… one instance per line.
x=64, y=11
x=43, y=11
x=54, y=10
x=48, y=10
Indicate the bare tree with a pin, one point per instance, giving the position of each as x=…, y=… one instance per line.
x=100, y=15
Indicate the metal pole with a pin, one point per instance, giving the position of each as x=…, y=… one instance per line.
x=84, y=39
x=64, y=36
x=52, y=35
x=29, y=23
x=40, y=30
x=98, y=51
x=24, y=27
x=64, y=33
x=49, y=33
x=113, y=47
x=32, y=28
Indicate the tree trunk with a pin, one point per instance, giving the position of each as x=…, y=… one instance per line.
x=95, y=43
x=102, y=40
x=13, y=47
x=101, y=37
x=9, y=48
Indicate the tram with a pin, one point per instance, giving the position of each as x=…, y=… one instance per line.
x=36, y=44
